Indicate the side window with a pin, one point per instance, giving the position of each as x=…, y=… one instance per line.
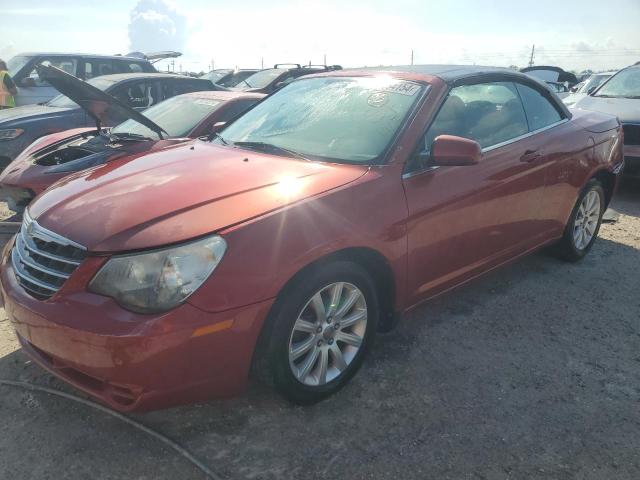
x=135, y=68
x=289, y=78
x=101, y=67
x=489, y=113
x=124, y=66
x=69, y=65
x=236, y=109
x=139, y=95
x=178, y=87
x=540, y=111
x=88, y=70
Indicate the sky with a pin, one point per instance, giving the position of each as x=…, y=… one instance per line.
x=576, y=35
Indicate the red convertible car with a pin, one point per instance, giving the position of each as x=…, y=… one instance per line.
x=281, y=246
x=170, y=122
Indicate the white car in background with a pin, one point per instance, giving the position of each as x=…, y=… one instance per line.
x=587, y=87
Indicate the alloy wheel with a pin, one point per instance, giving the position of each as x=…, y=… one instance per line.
x=328, y=334
x=587, y=218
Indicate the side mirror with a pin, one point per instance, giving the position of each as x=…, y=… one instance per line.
x=216, y=127
x=28, y=82
x=452, y=151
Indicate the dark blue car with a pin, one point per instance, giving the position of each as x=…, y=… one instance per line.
x=21, y=126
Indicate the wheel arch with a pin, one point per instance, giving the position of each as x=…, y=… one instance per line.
x=608, y=181
x=372, y=261
x=368, y=258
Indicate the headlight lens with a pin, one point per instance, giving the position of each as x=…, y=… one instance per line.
x=10, y=133
x=159, y=280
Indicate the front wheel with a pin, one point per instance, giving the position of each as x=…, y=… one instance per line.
x=584, y=224
x=322, y=328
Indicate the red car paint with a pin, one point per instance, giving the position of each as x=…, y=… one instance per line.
x=434, y=230
x=24, y=173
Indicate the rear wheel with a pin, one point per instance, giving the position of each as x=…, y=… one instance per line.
x=584, y=224
x=321, y=331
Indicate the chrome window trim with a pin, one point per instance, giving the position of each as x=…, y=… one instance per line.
x=492, y=147
x=526, y=135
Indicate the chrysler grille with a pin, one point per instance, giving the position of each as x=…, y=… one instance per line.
x=43, y=260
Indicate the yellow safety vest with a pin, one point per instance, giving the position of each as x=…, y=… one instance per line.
x=6, y=99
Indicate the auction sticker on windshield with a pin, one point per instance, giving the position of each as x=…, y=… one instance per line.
x=403, y=88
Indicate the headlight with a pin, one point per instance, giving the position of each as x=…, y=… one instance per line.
x=159, y=280
x=10, y=133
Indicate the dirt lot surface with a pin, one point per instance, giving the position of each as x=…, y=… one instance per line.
x=530, y=372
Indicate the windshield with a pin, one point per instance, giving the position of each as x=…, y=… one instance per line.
x=63, y=101
x=262, y=78
x=215, y=75
x=349, y=120
x=177, y=116
x=15, y=65
x=592, y=82
x=625, y=83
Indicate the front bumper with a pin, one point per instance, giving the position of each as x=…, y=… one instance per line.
x=130, y=361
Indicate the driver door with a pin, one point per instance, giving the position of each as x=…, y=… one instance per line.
x=466, y=219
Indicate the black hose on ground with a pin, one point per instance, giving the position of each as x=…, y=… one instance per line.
x=158, y=436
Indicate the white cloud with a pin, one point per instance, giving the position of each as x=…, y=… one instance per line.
x=157, y=25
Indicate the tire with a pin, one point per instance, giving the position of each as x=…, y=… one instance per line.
x=572, y=247
x=301, y=379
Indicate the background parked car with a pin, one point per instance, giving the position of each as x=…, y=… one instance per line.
x=271, y=79
x=560, y=89
x=228, y=77
x=553, y=74
x=587, y=87
x=33, y=89
x=620, y=96
x=172, y=121
x=20, y=126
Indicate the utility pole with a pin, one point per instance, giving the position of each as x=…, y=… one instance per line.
x=262, y=63
x=411, y=57
x=325, y=59
x=533, y=51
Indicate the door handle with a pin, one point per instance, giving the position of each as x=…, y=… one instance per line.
x=531, y=156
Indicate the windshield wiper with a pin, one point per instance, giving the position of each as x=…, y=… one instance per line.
x=270, y=146
x=219, y=137
x=136, y=137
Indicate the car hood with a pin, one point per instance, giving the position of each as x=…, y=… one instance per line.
x=98, y=104
x=626, y=109
x=178, y=194
x=28, y=112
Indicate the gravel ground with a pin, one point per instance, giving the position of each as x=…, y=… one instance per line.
x=530, y=372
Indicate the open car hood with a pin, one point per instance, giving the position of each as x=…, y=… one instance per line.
x=95, y=102
x=154, y=57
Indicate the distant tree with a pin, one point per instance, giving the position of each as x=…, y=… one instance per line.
x=514, y=67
